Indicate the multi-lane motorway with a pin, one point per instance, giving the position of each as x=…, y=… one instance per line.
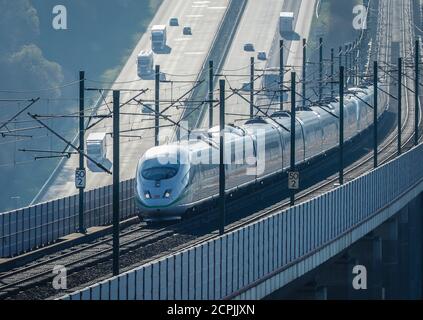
x=259, y=26
x=182, y=63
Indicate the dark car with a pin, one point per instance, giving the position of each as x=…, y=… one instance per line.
x=262, y=55
x=248, y=47
x=174, y=22
x=187, y=31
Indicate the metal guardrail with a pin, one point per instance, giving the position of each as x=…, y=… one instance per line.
x=29, y=228
x=256, y=260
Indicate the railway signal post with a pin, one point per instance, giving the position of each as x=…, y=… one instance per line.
x=292, y=162
x=221, y=159
x=341, y=125
x=81, y=148
x=116, y=204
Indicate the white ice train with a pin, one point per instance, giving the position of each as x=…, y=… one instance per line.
x=171, y=180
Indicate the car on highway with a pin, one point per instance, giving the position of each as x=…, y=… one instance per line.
x=262, y=55
x=248, y=47
x=174, y=22
x=187, y=31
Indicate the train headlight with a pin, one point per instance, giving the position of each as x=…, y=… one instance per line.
x=167, y=194
x=147, y=195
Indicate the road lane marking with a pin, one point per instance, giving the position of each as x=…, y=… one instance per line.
x=194, y=53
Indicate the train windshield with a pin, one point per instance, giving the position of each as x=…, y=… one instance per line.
x=156, y=172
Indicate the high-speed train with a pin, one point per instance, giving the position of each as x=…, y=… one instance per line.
x=176, y=178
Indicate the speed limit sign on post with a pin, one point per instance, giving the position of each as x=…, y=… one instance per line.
x=80, y=178
x=293, y=180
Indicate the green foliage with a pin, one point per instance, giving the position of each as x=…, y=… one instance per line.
x=33, y=55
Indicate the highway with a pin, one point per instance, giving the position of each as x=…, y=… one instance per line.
x=260, y=26
x=183, y=63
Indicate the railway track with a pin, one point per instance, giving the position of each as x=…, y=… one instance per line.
x=140, y=236
x=387, y=150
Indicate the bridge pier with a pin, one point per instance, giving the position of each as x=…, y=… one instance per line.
x=389, y=233
x=368, y=253
x=412, y=234
x=336, y=278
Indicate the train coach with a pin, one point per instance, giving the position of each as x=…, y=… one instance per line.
x=177, y=178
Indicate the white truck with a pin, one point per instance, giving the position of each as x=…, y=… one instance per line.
x=286, y=22
x=96, y=147
x=145, y=63
x=158, y=37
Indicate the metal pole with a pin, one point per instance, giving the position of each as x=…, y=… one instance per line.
x=157, y=107
x=351, y=55
x=304, y=71
x=251, y=87
x=340, y=62
x=341, y=125
x=416, y=103
x=81, y=146
x=211, y=76
x=399, y=103
x=320, y=69
x=293, y=103
x=375, y=113
x=346, y=53
x=281, y=74
x=332, y=80
x=116, y=204
x=356, y=64
x=353, y=63
x=222, y=159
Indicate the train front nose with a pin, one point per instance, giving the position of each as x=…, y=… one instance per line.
x=159, y=190
x=158, y=203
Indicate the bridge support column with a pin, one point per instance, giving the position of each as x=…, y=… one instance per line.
x=390, y=257
x=368, y=253
x=321, y=293
x=415, y=248
x=310, y=291
x=335, y=279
